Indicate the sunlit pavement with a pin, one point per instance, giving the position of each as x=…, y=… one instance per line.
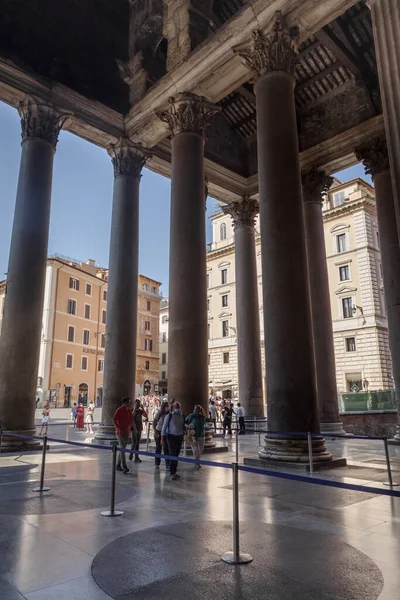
x=307, y=541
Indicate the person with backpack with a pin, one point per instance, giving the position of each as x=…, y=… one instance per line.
x=227, y=413
x=139, y=414
x=172, y=432
x=158, y=423
x=197, y=421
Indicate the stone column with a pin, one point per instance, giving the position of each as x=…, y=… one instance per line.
x=386, y=28
x=187, y=117
x=292, y=396
x=121, y=326
x=247, y=310
x=315, y=183
x=26, y=274
x=376, y=162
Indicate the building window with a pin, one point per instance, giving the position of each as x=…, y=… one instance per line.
x=344, y=273
x=380, y=270
x=71, y=333
x=163, y=375
x=147, y=325
x=84, y=363
x=145, y=286
x=148, y=305
x=351, y=344
x=208, y=303
x=225, y=328
x=105, y=295
x=226, y=358
x=208, y=280
x=378, y=243
x=208, y=360
x=103, y=316
x=222, y=232
x=86, y=337
x=338, y=198
x=164, y=337
x=103, y=340
x=69, y=361
x=71, y=307
x=341, y=243
x=347, y=306
x=147, y=365
x=87, y=311
x=164, y=319
x=224, y=300
x=164, y=358
x=154, y=289
x=224, y=276
x=88, y=289
x=100, y=365
x=74, y=284
x=209, y=331
x=148, y=344
x=354, y=382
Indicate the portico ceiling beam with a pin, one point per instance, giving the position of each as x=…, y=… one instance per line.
x=213, y=70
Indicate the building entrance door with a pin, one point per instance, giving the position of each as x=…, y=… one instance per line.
x=99, y=396
x=67, y=396
x=354, y=382
x=83, y=393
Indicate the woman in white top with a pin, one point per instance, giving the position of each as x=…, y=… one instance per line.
x=89, y=418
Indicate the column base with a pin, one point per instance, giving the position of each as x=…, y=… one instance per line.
x=332, y=428
x=105, y=435
x=294, y=450
x=13, y=444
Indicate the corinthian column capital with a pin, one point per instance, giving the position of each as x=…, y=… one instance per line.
x=243, y=213
x=188, y=113
x=275, y=51
x=315, y=183
x=40, y=120
x=128, y=158
x=374, y=157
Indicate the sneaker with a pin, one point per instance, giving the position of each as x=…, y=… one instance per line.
x=157, y=466
x=130, y=456
x=137, y=459
x=119, y=468
x=174, y=476
x=125, y=470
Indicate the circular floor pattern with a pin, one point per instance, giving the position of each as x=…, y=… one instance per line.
x=182, y=561
x=65, y=495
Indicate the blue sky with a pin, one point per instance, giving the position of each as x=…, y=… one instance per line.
x=81, y=202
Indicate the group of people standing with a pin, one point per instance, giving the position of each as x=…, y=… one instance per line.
x=169, y=426
x=78, y=416
x=225, y=416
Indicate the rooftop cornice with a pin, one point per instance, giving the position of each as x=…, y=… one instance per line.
x=350, y=207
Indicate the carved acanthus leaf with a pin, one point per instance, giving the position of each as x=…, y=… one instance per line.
x=243, y=213
x=315, y=184
x=41, y=120
x=374, y=157
x=188, y=113
x=275, y=51
x=128, y=158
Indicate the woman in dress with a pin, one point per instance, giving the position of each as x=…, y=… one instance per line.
x=45, y=419
x=80, y=412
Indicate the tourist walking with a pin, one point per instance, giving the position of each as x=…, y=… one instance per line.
x=80, y=413
x=123, y=421
x=90, y=418
x=172, y=431
x=158, y=423
x=197, y=421
x=240, y=413
x=227, y=413
x=213, y=412
x=45, y=419
x=139, y=414
x=73, y=413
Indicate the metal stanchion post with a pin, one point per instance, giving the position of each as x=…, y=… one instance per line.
x=237, y=445
x=112, y=512
x=42, y=488
x=310, y=452
x=389, y=470
x=235, y=558
x=148, y=436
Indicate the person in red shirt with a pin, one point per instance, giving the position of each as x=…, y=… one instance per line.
x=123, y=420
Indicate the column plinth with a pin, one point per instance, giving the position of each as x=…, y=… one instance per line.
x=26, y=273
x=316, y=183
x=121, y=326
x=187, y=117
x=376, y=162
x=247, y=309
x=290, y=371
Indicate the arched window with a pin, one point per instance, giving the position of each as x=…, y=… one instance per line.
x=222, y=231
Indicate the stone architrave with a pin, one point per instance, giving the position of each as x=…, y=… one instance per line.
x=376, y=161
x=385, y=23
x=128, y=160
x=187, y=117
x=243, y=215
x=315, y=184
x=290, y=370
x=26, y=274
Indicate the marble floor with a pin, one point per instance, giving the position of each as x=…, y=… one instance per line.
x=308, y=541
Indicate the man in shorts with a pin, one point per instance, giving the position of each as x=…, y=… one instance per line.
x=123, y=421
